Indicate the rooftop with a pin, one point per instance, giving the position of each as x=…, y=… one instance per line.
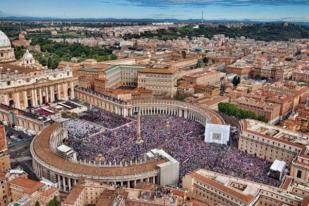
x=159, y=70
x=275, y=133
x=29, y=186
x=74, y=194
x=242, y=189
x=222, y=183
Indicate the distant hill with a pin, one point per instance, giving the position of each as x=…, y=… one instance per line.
x=143, y=20
x=257, y=31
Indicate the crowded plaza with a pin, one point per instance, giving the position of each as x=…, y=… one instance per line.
x=113, y=138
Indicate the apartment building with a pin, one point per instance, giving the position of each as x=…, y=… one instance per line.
x=162, y=81
x=218, y=189
x=271, y=111
x=270, y=142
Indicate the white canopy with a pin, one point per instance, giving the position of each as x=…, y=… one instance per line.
x=278, y=165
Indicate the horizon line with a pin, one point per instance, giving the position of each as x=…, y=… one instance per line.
x=287, y=19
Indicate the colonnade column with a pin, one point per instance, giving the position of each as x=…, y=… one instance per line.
x=72, y=90
x=59, y=182
x=65, y=91
x=6, y=99
x=47, y=94
x=59, y=91
x=25, y=99
x=70, y=184
x=52, y=93
x=40, y=95
x=64, y=184
x=16, y=98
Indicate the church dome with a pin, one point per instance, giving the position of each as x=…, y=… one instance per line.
x=28, y=55
x=4, y=40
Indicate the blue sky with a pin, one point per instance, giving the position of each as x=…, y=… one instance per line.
x=292, y=10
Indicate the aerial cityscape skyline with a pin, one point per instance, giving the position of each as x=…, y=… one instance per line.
x=262, y=10
x=154, y=103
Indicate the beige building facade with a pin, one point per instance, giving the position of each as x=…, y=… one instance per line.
x=270, y=142
x=163, y=82
x=25, y=89
x=4, y=190
x=218, y=189
x=26, y=84
x=5, y=163
x=271, y=111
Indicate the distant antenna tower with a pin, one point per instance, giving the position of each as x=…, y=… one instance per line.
x=202, y=16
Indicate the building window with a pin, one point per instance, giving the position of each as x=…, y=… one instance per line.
x=299, y=173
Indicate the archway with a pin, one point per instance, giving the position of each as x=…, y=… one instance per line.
x=56, y=97
x=11, y=103
x=29, y=103
x=44, y=100
x=69, y=93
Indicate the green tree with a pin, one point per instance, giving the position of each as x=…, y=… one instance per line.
x=236, y=81
x=19, y=52
x=233, y=110
x=205, y=60
x=53, y=202
x=37, y=203
x=49, y=62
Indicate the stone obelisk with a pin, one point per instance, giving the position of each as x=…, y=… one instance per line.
x=139, y=139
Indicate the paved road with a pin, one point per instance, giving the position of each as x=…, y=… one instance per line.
x=21, y=159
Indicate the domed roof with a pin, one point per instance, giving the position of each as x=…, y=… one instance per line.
x=28, y=55
x=4, y=40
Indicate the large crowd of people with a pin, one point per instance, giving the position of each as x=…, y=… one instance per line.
x=79, y=129
x=104, y=118
x=181, y=138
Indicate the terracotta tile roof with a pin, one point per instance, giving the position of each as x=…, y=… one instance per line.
x=305, y=201
x=3, y=145
x=49, y=191
x=244, y=127
x=245, y=198
x=21, y=69
x=286, y=182
x=74, y=194
x=2, y=175
x=159, y=70
x=29, y=186
x=107, y=198
x=198, y=203
x=179, y=192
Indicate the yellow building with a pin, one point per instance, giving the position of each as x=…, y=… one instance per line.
x=162, y=81
x=4, y=190
x=204, y=78
x=218, y=189
x=93, y=193
x=26, y=84
x=300, y=166
x=270, y=142
x=5, y=164
x=29, y=191
x=271, y=111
